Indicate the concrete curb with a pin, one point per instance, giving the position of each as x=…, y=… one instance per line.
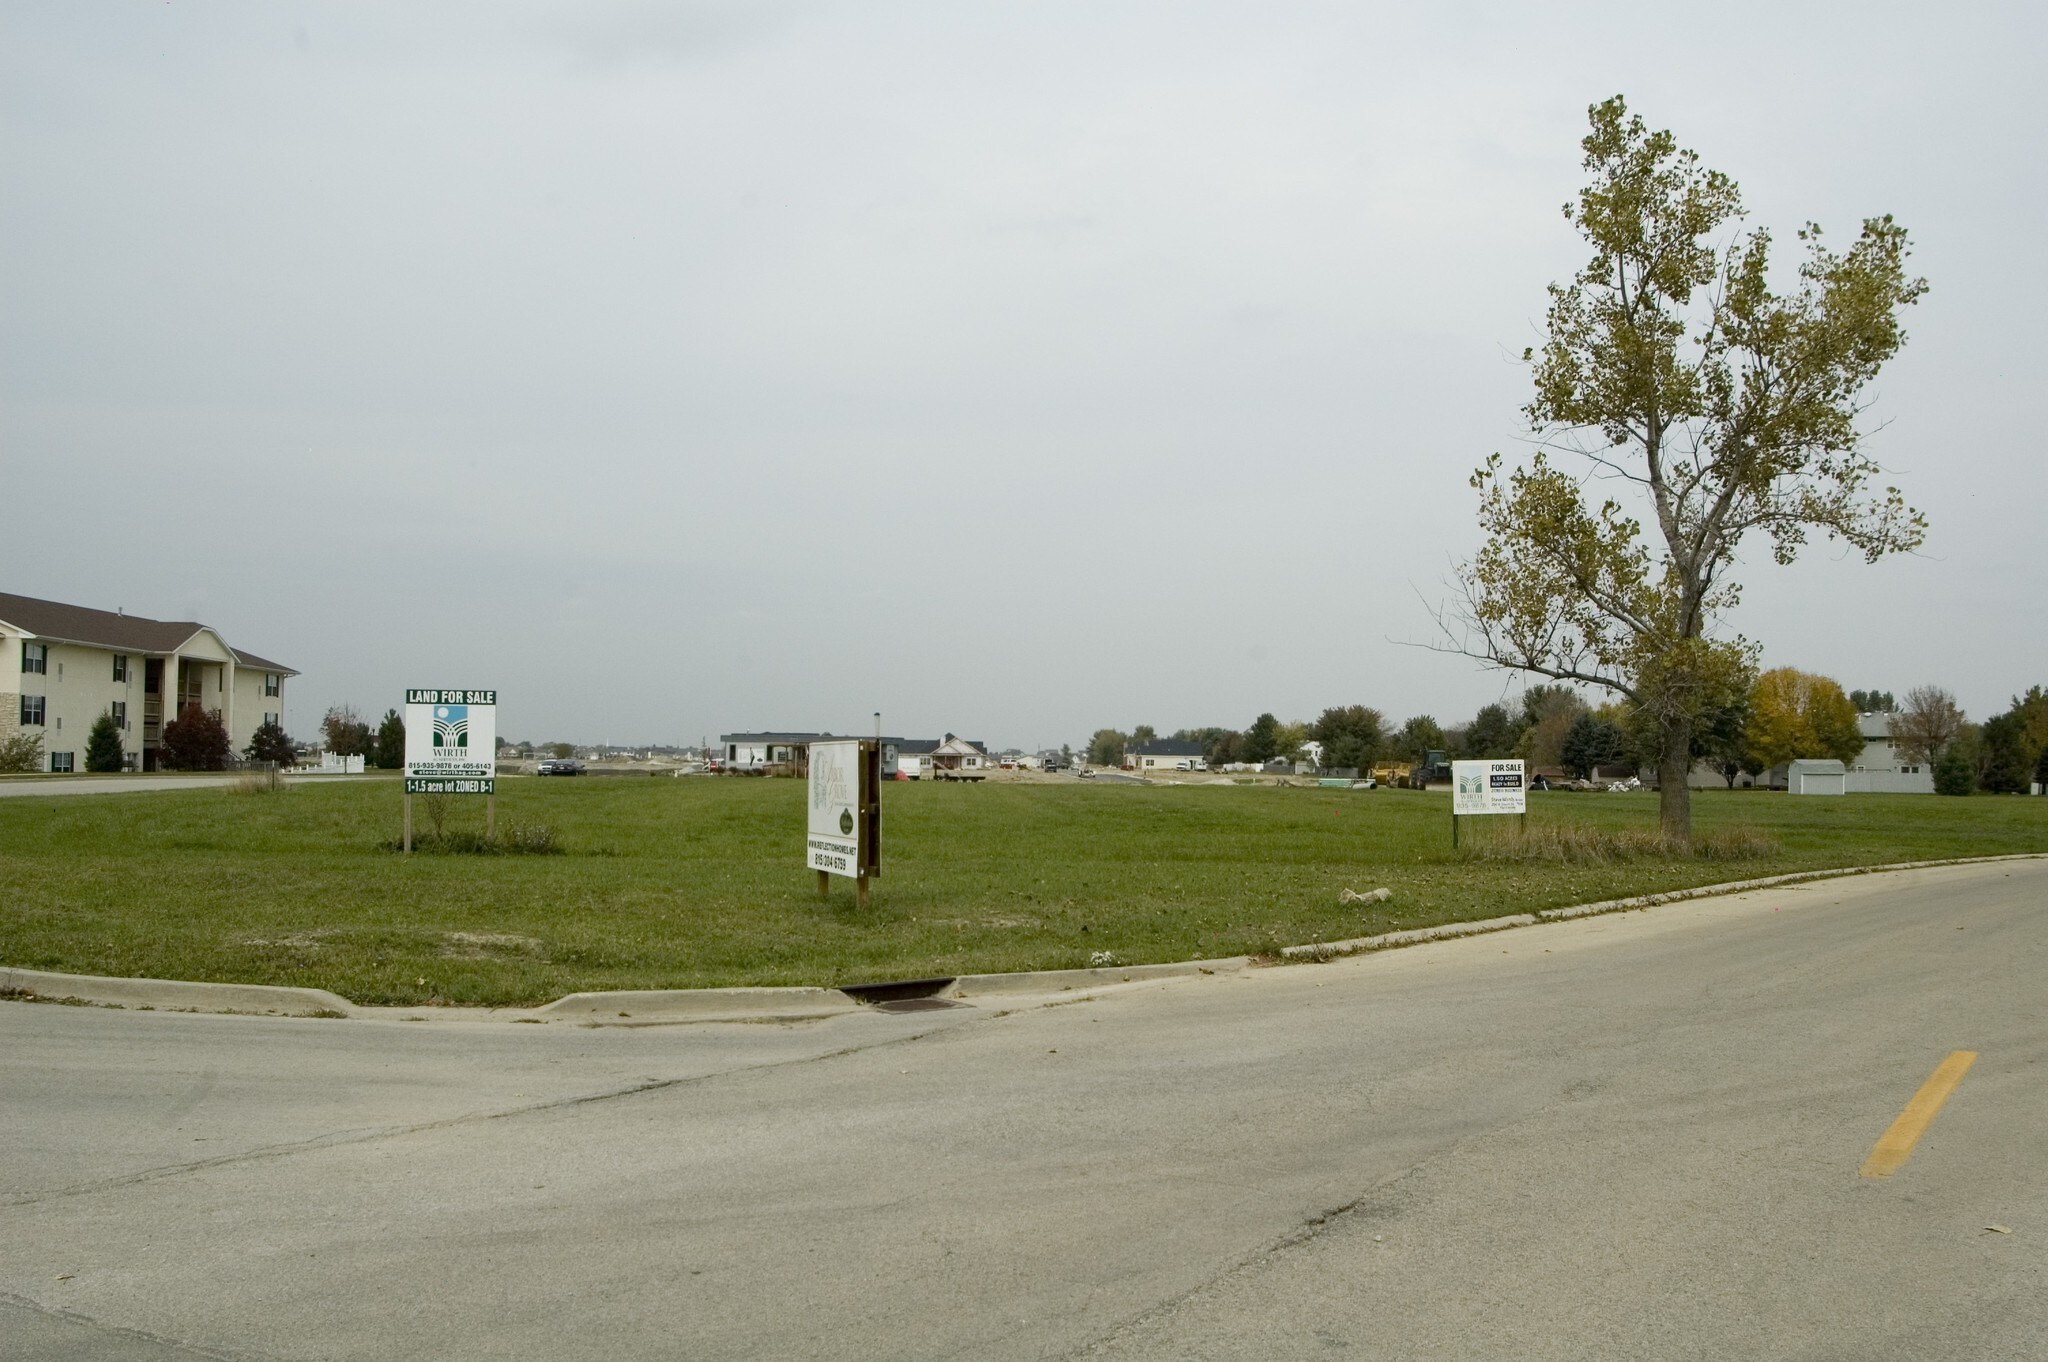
x=1330, y=950
x=176, y=995
x=697, y=1004
x=1075, y=980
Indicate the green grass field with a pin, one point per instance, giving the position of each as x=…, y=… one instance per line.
x=694, y=883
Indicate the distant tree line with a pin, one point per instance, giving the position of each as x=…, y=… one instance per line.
x=1785, y=715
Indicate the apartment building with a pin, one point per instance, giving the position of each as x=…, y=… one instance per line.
x=62, y=666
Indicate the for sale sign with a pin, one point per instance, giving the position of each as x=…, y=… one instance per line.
x=832, y=840
x=451, y=741
x=1488, y=787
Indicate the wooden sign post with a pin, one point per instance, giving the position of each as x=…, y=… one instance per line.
x=843, y=820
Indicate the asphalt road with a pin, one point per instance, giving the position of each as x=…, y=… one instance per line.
x=1634, y=1136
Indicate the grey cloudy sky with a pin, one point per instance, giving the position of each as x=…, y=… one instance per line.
x=1014, y=370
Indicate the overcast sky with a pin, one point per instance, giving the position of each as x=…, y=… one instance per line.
x=1013, y=370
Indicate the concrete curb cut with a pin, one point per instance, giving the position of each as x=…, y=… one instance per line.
x=1317, y=951
x=177, y=995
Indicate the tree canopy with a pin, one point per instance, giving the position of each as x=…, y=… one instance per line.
x=1794, y=714
x=1683, y=404
x=1924, y=727
x=194, y=741
x=270, y=743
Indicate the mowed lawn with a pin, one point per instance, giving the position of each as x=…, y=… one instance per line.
x=695, y=883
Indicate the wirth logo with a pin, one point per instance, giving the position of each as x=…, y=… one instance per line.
x=451, y=726
x=1471, y=785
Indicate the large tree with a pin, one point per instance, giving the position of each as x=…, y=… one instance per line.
x=347, y=735
x=1262, y=739
x=1922, y=730
x=1713, y=407
x=1492, y=733
x=270, y=743
x=388, y=752
x=1592, y=741
x=1106, y=748
x=1794, y=714
x=1352, y=736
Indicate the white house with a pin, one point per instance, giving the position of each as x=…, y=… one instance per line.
x=914, y=757
x=960, y=754
x=1881, y=769
x=62, y=666
x=1165, y=754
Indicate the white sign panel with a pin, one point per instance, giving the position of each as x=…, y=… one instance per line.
x=832, y=841
x=1488, y=787
x=451, y=741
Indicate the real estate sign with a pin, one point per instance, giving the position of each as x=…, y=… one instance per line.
x=833, y=831
x=451, y=741
x=1488, y=787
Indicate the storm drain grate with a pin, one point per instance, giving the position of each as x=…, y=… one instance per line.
x=918, y=1005
x=897, y=990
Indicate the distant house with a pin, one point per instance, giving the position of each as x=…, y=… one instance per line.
x=1165, y=754
x=62, y=666
x=1881, y=769
x=960, y=754
x=913, y=757
x=761, y=751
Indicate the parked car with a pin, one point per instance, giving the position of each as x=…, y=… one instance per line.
x=559, y=766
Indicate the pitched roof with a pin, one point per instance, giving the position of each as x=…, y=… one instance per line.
x=1166, y=747
x=111, y=629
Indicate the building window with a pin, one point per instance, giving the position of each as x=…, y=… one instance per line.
x=272, y=719
x=31, y=709
x=119, y=710
x=60, y=761
x=120, y=666
x=272, y=683
x=35, y=657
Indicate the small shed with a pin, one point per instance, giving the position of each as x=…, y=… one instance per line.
x=1815, y=777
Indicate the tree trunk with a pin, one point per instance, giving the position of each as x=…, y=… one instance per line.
x=1674, y=794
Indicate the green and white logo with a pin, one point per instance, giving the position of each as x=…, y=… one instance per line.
x=451, y=726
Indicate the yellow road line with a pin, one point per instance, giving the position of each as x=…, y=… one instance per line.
x=1895, y=1146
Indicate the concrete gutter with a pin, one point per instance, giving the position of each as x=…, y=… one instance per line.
x=660, y=1007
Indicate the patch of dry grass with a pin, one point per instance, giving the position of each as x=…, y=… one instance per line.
x=1590, y=844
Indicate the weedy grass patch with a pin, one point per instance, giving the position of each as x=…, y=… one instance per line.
x=698, y=883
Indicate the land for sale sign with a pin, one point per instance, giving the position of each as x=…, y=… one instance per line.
x=451, y=741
